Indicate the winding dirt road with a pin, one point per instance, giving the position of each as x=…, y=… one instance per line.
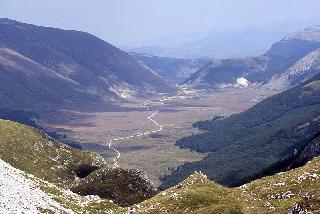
x=182, y=94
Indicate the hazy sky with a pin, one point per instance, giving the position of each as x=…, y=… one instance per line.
x=123, y=21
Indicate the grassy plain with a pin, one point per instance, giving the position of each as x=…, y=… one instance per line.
x=156, y=153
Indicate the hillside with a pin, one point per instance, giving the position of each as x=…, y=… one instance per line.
x=244, y=144
x=36, y=86
x=174, y=70
x=67, y=68
x=44, y=169
x=35, y=153
x=285, y=58
x=23, y=193
x=310, y=151
x=20, y=195
x=295, y=191
x=300, y=71
x=286, y=192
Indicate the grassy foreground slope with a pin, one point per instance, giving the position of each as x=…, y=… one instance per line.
x=85, y=173
x=34, y=152
x=292, y=191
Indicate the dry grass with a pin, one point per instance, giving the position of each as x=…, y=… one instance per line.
x=155, y=154
x=275, y=194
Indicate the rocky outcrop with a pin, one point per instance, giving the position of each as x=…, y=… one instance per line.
x=124, y=187
x=310, y=151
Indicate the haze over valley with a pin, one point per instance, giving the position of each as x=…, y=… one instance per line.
x=160, y=107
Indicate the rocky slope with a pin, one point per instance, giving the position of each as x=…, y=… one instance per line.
x=288, y=63
x=67, y=67
x=35, y=153
x=302, y=70
x=21, y=195
x=21, y=192
x=295, y=191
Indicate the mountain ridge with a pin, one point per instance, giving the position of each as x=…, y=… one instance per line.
x=84, y=62
x=264, y=70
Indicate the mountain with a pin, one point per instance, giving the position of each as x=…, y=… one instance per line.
x=303, y=69
x=174, y=70
x=245, y=144
x=220, y=73
x=233, y=43
x=287, y=63
x=40, y=156
x=247, y=41
x=51, y=66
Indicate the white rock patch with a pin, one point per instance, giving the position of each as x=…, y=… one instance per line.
x=20, y=195
x=243, y=81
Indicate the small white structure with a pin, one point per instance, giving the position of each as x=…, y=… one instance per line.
x=243, y=81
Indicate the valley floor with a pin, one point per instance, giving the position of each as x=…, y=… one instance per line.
x=156, y=153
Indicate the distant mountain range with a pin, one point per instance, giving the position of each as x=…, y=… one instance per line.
x=289, y=62
x=247, y=41
x=174, y=70
x=243, y=145
x=43, y=66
